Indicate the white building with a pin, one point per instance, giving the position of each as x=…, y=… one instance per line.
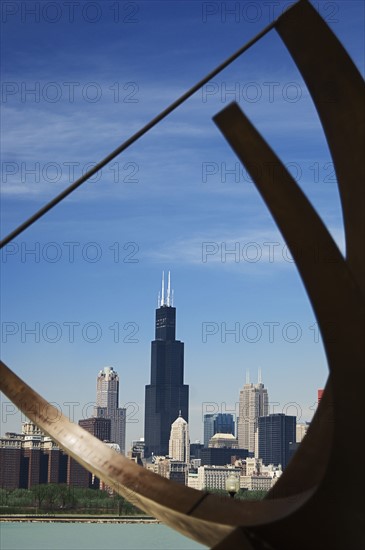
x=253, y=466
x=211, y=477
x=253, y=402
x=179, y=444
x=301, y=430
x=194, y=481
x=252, y=474
x=257, y=482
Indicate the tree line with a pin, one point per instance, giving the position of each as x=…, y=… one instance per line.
x=62, y=498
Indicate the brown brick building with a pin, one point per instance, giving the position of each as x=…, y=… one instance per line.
x=31, y=458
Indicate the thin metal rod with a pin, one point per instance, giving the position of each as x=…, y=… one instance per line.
x=134, y=137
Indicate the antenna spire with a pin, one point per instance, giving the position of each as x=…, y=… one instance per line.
x=260, y=376
x=168, y=289
x=168, y=298
x=163, y=289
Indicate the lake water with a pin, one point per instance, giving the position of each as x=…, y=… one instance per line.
x=92, y=536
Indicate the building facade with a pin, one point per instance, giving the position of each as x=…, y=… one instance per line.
x=32, y=458
x=10, y=460
x=208, y=428
x=107, y=389
x=98, y=427
x=167, y=394
x=257, y=482
x=275, y=433
x=195, y=449
x=107, y=405
x=211, y=477
x=253, y=403
x=301, y=430
x=179, y=444
x=220, y=456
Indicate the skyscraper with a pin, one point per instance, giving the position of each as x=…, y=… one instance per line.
x=107, y=405
x=253, y=403
x=208, y=428
x=179, y=444
x=276, y=432
x=107, y=389
x=167, y=394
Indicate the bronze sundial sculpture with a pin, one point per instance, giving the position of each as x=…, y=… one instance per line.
x=313, y=505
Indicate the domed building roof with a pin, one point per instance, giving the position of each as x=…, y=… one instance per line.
x=221, y=440
x=223, y=436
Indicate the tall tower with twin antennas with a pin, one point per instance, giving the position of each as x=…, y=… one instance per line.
x=166, y=396
x=253, y=403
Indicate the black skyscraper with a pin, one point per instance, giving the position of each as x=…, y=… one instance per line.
x=276, y=432
x=167, y=394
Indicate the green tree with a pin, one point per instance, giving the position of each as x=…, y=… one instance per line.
x=20, y=497
x=52, y=495
x=4, y=495
x=66, y=496
x=39, y=493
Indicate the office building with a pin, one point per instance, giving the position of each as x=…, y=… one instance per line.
x=32, y=458
x=10, y=460
x=211, y=477
x=166, y=394
x=275, y=433
x=98, y=427
x=208, y=428
x=195, y=449
x=179, y=444
x=253, y=403
x=107, y=405
x=220, y=456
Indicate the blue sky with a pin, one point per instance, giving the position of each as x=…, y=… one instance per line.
x=90, y=289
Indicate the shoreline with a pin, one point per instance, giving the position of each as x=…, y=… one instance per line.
x=76, y=519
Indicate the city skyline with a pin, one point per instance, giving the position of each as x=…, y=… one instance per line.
x=177, y=200
x=107, y=393
x=212, y=424
x=253, y=398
